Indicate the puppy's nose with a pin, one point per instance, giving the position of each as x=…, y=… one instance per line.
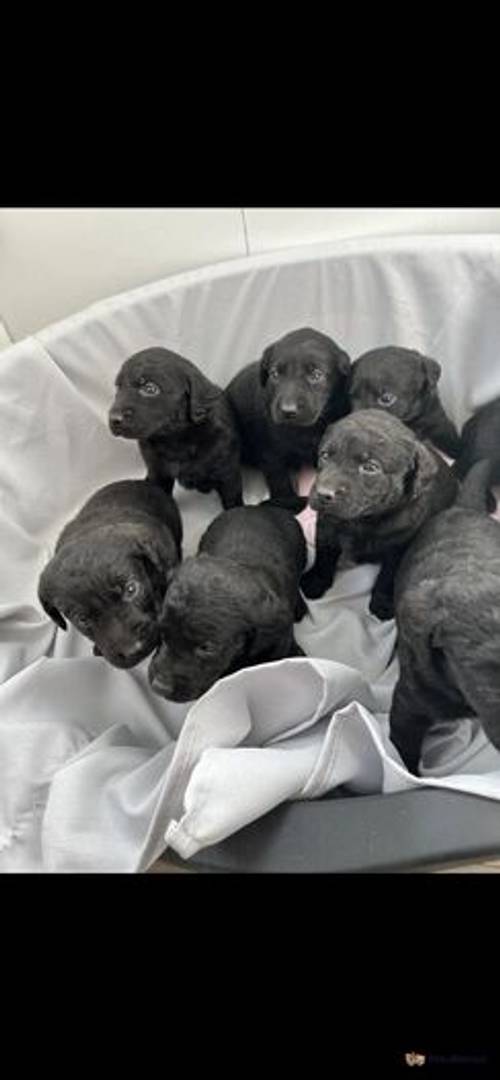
x=118, y=417
x=161, y=685
x=289, y=409
x=128, y=652
x=329, y=494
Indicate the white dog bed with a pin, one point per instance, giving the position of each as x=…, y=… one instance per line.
x=96, y=772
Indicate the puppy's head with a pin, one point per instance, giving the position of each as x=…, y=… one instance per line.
x=110, y=585
x=397, y=380
x=305, y=376
x=158, y=391
x=216, y=618
x=369, y=463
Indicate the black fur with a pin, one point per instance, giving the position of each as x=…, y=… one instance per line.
x=480, y=439
x=403, y=382
x=376, y=485
x=127, y=536
x=447, y=603
x=234, y=604
x=284, y=402
x=183, y=422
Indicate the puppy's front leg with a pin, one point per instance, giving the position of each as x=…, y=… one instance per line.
x=382, y=598
x=319, y=578
x=443, y=433
x=407, y=727
x=230, y=491
x=156, y=472
x=278, y=481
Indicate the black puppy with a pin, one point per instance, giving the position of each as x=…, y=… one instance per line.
x=481, y=439
x=375, y=487
x=447, y=602
x=234, y=604
x=284, y=402
x=403, y=382
x=108, y=574
x=183, y=422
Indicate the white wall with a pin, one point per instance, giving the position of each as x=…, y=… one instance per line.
x=56, y=262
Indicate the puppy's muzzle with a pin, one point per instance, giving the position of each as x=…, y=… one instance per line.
x=165, y=687
x=288, y=411
x=120, y=420
x=128, y=656
x=324, y=495
x=171, y=690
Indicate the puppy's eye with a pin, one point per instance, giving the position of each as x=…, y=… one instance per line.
x=131, y=590
x=207, y=649
x=149, y=389
x=315, y=375
x=274, y=374
x=386, y=399
x=82, y=622
x=369, y=467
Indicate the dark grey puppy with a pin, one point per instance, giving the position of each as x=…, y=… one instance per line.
x=480, y=439
x=183, y=422
x=376, y=485
x=447, y=601
x=109, y=572
x=284, y=402
x=404, y=382
x=234, y=604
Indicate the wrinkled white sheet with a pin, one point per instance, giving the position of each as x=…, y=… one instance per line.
x=96, y=772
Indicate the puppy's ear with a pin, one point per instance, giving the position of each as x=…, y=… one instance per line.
x=421, y=474
x=267, y=617
x=342, y=361
x=432, y=372
x=46, y=598
x=158, y=555
x=202, y=395
x=266, y=613
x=265, y=364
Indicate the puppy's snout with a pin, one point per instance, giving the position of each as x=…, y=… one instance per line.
x=128, y=653
x=162, y=685
x=289, y=410
x=324, y=495
x=328, y=493
x=118, y=418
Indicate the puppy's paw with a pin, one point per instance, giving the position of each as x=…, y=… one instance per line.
x=313, y=585
x=382, y=606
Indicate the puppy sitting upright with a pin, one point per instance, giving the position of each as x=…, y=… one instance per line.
x=184, y=425
x=403, y=382
x=284, y=402
x=234, y=604
x=109, y=572
x=376, y=486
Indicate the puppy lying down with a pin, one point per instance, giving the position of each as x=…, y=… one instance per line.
x=375, y=487
x=404, y=383
x=232, y=605
x=108, y=573
x=447, y=603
